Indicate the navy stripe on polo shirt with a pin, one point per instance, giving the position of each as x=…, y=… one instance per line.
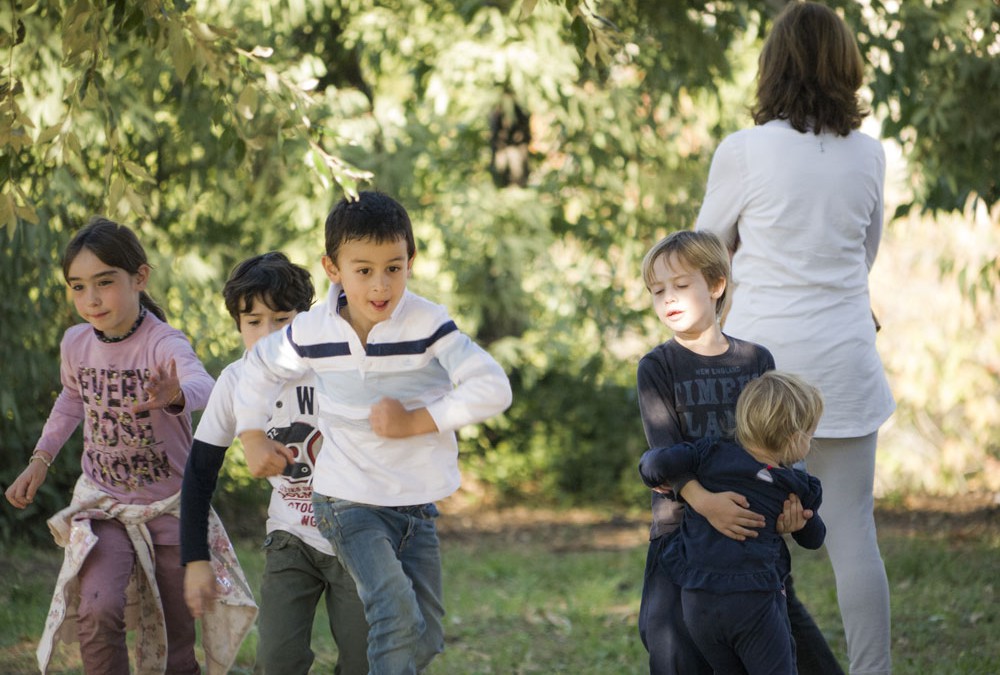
x=321, y=350
x=411, y=346
x=330, y=349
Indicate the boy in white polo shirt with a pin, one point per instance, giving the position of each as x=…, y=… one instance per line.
x=394, y=379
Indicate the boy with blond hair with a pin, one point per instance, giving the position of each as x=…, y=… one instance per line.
x=688, y=387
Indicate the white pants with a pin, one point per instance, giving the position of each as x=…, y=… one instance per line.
x=846, y=468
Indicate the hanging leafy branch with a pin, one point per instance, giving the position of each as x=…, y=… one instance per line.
x=935, y=79
x=89, y=73
x=937, y=83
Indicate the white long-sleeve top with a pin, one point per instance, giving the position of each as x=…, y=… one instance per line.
x=417, y=356
x=804, y=213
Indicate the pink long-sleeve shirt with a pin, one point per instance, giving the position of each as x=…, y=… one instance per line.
x=137, y=458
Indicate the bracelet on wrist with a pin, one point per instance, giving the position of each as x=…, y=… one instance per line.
x=176, y=398
x=40, y=457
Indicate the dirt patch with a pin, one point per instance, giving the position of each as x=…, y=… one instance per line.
x=557, y=530
x=969, y=516
x=972, y=516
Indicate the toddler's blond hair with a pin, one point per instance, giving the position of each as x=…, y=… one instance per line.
x=774, y=409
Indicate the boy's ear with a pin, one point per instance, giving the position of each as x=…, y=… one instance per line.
x=331, y=269
x=409, y=265
x=720, y=287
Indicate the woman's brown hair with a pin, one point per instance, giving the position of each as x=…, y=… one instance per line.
x=809, y=72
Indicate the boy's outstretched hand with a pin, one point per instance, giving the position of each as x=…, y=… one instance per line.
x=793, y=518
x=390, y=419
x=265, y=457
x=200, y=587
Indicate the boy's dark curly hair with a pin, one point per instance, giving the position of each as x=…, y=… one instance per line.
x=272, y=277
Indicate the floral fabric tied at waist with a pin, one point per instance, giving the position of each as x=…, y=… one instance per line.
x=223, y=629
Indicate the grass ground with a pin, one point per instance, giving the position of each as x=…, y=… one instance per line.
x=558, y=592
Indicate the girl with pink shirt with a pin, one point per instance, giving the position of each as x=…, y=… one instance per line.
x=133, y=382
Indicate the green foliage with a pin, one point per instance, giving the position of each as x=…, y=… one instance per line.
x=945, y=433
x=577, y=410
x=33, y=321
x=937, y=73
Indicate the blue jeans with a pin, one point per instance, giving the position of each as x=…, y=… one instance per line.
x=394, y=557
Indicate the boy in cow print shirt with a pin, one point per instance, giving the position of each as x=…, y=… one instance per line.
x=263, y=294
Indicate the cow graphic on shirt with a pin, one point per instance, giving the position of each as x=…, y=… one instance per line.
x=305, y=442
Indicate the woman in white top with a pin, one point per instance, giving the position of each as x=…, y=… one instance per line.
x=798, y=199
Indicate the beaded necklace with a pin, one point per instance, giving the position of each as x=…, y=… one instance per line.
x=104, y=338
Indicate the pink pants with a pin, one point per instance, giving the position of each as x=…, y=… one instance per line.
x=103, y=581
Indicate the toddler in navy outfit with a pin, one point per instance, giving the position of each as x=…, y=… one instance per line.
x=733, y=591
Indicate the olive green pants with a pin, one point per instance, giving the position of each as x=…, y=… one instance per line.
x=296, y=576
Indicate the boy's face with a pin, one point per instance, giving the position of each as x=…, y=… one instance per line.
x=682, y=298
x=373, y=277
x=261, y=321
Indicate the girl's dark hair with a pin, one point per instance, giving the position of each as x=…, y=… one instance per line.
x=116, y=246
x=373, y=216
x=809, y=72
x=274, y=279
